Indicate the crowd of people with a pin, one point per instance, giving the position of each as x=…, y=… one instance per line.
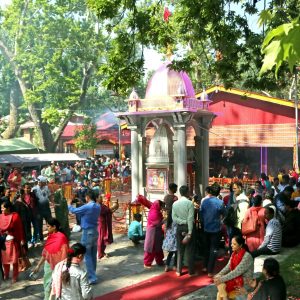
x=30, y=203
x=252, y=221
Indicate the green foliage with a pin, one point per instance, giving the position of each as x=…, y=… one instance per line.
x=290, y=271
x=53, y=116
x=6, y=83
x=3, y=126
x=71, y=58
x=56, y=48
x=265, y=17
x=86, y=135
x=282, y=44
x=196, y=32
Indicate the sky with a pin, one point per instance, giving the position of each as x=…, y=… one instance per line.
x=4, y=2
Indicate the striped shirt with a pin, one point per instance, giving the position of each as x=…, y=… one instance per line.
x=272, y=239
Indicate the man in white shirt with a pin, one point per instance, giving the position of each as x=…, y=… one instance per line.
x=183, y=215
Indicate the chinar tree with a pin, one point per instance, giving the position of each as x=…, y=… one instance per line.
x=211, y=39
x=53, y=49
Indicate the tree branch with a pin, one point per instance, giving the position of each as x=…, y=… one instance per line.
x=21, y=24
x=6, y=52
x=84, y=86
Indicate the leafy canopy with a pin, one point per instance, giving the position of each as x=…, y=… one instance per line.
x=86, y=135
x=210, y=39
x=282, y=44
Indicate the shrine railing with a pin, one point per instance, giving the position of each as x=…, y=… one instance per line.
x=226, y=182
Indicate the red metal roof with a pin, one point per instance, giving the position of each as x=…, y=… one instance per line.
x=69, y=131
x=246, y=121
x=111, y=135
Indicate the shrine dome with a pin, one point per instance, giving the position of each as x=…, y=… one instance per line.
x=168, y=83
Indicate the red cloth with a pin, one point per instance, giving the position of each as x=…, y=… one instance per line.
x=105, y=230
x=236, y=282
x=226, y=200
x=154, y=233
x=149, y=257
x=14, y=180
x=12, y=252
x=56, y=248
x=12, y=225
x=155, y=215
x=167, y=14
x=294, y=175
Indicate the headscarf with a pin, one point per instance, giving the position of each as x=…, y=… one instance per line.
x=12, y=224
x=238, y=281
x=155, y=216
x=56, y=248
x=5, y=221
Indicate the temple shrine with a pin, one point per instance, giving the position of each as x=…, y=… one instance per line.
x=169, y=135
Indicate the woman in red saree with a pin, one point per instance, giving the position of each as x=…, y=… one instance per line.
x=11, y=226
x=238, y=271
x=154, y=236
x=105, y=226
x=55, y=250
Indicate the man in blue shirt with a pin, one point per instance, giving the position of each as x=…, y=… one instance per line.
x=210, y=211
x=89, y=214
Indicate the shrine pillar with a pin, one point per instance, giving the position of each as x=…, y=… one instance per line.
x=134, y=161
x=180, y=167
x=142, y=159
x=205, y=158
x=198, y=165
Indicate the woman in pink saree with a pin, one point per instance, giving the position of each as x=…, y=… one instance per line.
x=154, y=236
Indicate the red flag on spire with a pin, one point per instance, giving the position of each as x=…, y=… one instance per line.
x=167, y=14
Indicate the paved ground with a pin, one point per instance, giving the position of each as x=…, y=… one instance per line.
x=123, y=268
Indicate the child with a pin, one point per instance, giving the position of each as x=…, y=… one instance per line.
x=69, y=279
x=170, y=198
x=170, y=242
x=135, y=232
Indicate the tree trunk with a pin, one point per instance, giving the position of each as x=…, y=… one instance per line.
x=12, y=128
x=44, y=139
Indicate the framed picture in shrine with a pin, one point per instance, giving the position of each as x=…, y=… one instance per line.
x=157, y=180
